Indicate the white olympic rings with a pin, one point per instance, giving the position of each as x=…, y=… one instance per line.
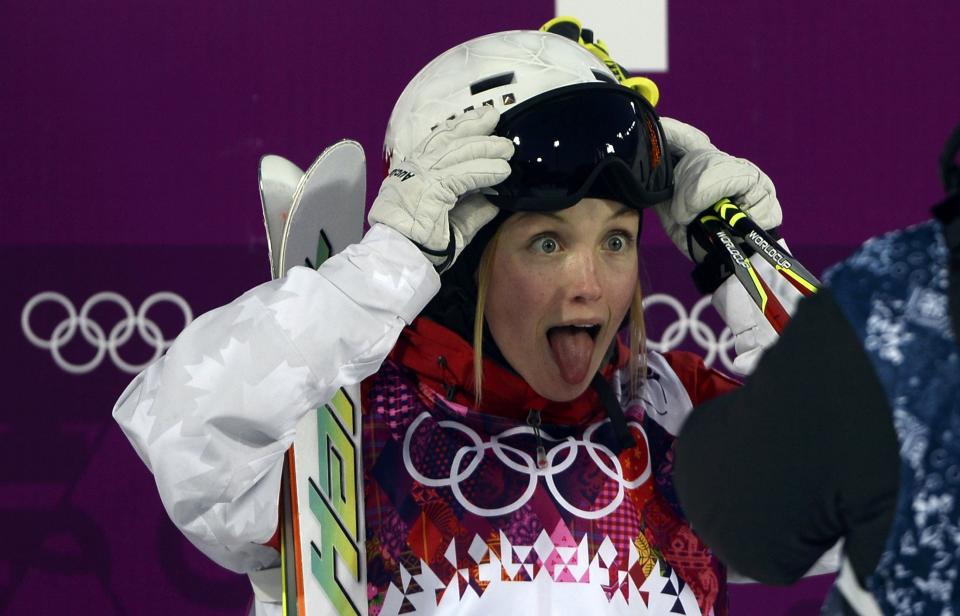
x=526, y=465
x=94, y=333
x=715, y=347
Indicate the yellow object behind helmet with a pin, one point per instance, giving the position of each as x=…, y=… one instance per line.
x=571, y=28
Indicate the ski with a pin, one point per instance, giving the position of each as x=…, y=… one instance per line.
x=309, y=217
x=278, y=182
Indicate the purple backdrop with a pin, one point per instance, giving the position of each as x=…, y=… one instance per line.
x=131, y=137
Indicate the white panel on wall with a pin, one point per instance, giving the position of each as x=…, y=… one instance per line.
x=635, y=31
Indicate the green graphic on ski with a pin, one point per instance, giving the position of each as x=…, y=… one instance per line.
x=310, y=217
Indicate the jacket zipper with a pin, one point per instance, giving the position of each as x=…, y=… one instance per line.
x=533, y=420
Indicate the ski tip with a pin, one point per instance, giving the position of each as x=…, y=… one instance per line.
x=275, y=167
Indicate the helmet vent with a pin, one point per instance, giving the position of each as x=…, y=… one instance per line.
x=490, y=83
x=603, y=76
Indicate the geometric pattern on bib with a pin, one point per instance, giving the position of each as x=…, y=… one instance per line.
x=590, y=535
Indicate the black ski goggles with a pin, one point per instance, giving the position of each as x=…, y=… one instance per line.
x=585, y=140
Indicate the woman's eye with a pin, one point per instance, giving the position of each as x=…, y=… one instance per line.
x=546, y=245
x=617, y=242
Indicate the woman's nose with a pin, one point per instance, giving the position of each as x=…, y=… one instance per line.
x=585, y=280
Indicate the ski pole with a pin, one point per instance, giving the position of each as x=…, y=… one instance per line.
x=756, y=288
x=743, y=227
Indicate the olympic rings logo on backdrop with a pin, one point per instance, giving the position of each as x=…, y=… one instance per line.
x=685, y=324
x=522, y=462
x=715, y=347
x=94, y=334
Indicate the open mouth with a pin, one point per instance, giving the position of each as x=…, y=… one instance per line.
x=591, y=330
x=572, y=347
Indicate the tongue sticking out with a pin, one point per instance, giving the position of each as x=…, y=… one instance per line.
x=572, y=350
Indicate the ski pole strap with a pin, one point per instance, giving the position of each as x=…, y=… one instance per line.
x=447, y=253
x=623, y=438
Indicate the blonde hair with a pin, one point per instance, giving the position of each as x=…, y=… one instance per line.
x=637, y=330
x=484, y=272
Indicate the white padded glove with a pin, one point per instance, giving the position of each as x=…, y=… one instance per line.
x=703, y=176
x=430, y=198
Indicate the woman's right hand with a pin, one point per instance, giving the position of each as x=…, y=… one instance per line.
x=430, y=197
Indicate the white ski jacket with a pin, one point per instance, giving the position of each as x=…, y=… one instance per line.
x=214, y=416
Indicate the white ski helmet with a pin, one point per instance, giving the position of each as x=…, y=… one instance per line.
x=501, y=70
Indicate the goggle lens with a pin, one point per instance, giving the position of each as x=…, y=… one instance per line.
x=565, y=138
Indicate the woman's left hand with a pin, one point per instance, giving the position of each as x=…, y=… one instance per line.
x=702, y=176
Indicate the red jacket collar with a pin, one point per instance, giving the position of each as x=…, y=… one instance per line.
x=443, y=361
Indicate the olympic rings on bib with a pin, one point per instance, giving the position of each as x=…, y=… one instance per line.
x=94, y=334
x=522, y=462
